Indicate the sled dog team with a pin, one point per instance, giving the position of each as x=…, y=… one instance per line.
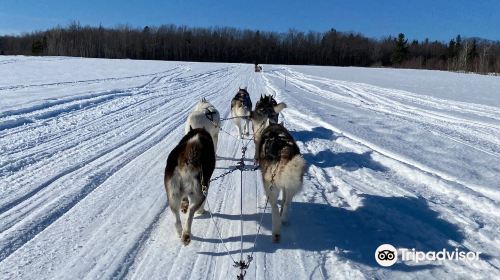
x=191, y=163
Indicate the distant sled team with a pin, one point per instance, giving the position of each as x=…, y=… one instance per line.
x=191, y=163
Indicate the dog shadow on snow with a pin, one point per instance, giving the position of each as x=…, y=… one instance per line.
x=349, y=161
x=316, y=133
x=404, y=222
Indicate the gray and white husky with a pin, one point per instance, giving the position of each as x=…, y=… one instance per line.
x=241, y=107
x=265, y=109
x=205, y=116
x=189, y=167
x=281, y=164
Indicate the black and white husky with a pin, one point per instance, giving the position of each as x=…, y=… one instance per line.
x=241, y=106
x=205, y=116
x=189, y=167
x=265, y=109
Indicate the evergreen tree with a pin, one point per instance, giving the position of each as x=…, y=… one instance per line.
x=401, y=51
x=37, y=47
x=459, y=41
x=472, y=54
x=452, y=49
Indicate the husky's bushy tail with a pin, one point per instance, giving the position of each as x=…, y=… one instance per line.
x=292, y=175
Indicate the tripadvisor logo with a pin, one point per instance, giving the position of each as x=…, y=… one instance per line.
x=387, y=255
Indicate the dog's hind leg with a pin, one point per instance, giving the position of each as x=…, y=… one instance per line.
x=186, y=234
x=247, y=127
x=272, y=194
x=285, y=206
x=196, y=201
x=174, y=204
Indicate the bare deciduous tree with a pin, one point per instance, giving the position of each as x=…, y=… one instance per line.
x=223, y=44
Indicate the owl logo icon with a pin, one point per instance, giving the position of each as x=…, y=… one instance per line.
x=386, y=255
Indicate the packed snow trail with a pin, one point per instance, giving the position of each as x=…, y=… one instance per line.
x=84, y=144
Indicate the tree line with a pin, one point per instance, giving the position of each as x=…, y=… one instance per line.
x=224, y=44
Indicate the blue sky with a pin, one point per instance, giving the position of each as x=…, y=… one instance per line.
x=438, y=19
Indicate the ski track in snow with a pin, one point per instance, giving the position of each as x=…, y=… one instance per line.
x=81, y=179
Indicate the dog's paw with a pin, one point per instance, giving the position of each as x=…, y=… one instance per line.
x=276, y=238
x=185, y=239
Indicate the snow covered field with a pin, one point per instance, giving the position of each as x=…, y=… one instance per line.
x=405, y=157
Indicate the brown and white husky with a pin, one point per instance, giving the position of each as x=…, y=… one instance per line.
x=241, y=106
x=189, y=167
x=281, y=164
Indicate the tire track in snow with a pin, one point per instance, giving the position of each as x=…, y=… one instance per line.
x=77, y=83
x=122, y=270
x=63, y=144
x=90, y=187
x=373, y=98
x=51, y=109
x=473, y=192
x=490, y=146
x=160, y=104
x=398, y=97
x=77, y=146
x=96, y=179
